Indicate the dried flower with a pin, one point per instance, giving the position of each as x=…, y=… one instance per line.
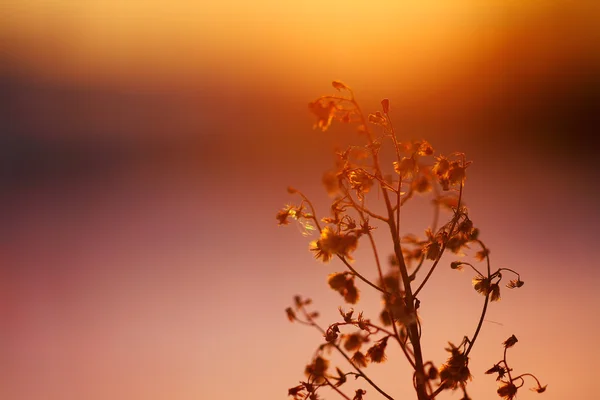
x=324, y=113
x=481, y=284
x=317, y=369
x=331, y=334
x=283, y=215
x=422, y=184
x=385, y=104
x=455, y=371
x=353, y=341
x=441, y=166
x=376, y=353
x=406, y=167
x=339, y=85
x=482, y=254
x=494, y=292
x=456, y=174
x=295, y=391
x=331, y=243
x=359, y=359
x=507, y=391
x=359, y=394
x=456, y=265
x=515, y=283
x=540, y=389
x=337, y=280
x=291, y=315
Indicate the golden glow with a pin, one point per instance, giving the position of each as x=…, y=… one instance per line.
x=161, y=40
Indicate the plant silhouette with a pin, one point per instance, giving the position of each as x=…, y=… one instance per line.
x=354, y=213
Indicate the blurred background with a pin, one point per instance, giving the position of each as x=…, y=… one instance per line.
x=145, y=147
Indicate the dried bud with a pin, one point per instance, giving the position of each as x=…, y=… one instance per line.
x=456, y=265
x=332, y=333
x=291, y=315
x=510, y=342
x=339, y=85
x=540, y=389
x=385, y=104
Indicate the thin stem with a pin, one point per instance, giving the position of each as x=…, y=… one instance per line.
x=508, y=269
x=312, y=209
x=414, y=274
x=473, y=267
x=454, y=222
x=362, y=278
x=437, y=391
x=485, y=304
x=398, y=197
x=336, y=388
x=506, y=365
x=386, y=291
x=412, y=328
x=531, y=375
x=343, y=353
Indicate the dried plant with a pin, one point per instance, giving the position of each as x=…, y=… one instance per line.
x=359, y=184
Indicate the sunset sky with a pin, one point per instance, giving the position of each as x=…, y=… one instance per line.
x=146, y=147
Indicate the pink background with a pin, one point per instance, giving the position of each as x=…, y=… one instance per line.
x=147, y=145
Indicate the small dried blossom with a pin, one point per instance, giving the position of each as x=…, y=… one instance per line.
x=331, y=243
x=515, y=283
x=385, y=105
x=341, y=378
x=482, y=254
x=507, y=390
x=359, y=359
x=456, y=174
x=291, y=315
x=317, y=369
x=359, y=394
x=458, y=265
x=441, y=166
x=353, y=341
x=455, y=371
x=339, y=85
x=495, y=369
x=376, y=353
x=494, y=292
x=331, y=334
x=481, y=284
x=539, y=388
x=324, y=113
x=296, y=390
x=337, y=280
x=422, y=184
x=406, y=167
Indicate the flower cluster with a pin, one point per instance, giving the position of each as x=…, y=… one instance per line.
x=509, y=384
x=368, y=191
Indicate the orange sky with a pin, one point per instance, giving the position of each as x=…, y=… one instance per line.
x=149, y=145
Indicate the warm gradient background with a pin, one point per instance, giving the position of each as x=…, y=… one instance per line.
x=146, y=146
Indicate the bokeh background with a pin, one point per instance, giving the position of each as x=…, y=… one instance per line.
x=145, y=147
